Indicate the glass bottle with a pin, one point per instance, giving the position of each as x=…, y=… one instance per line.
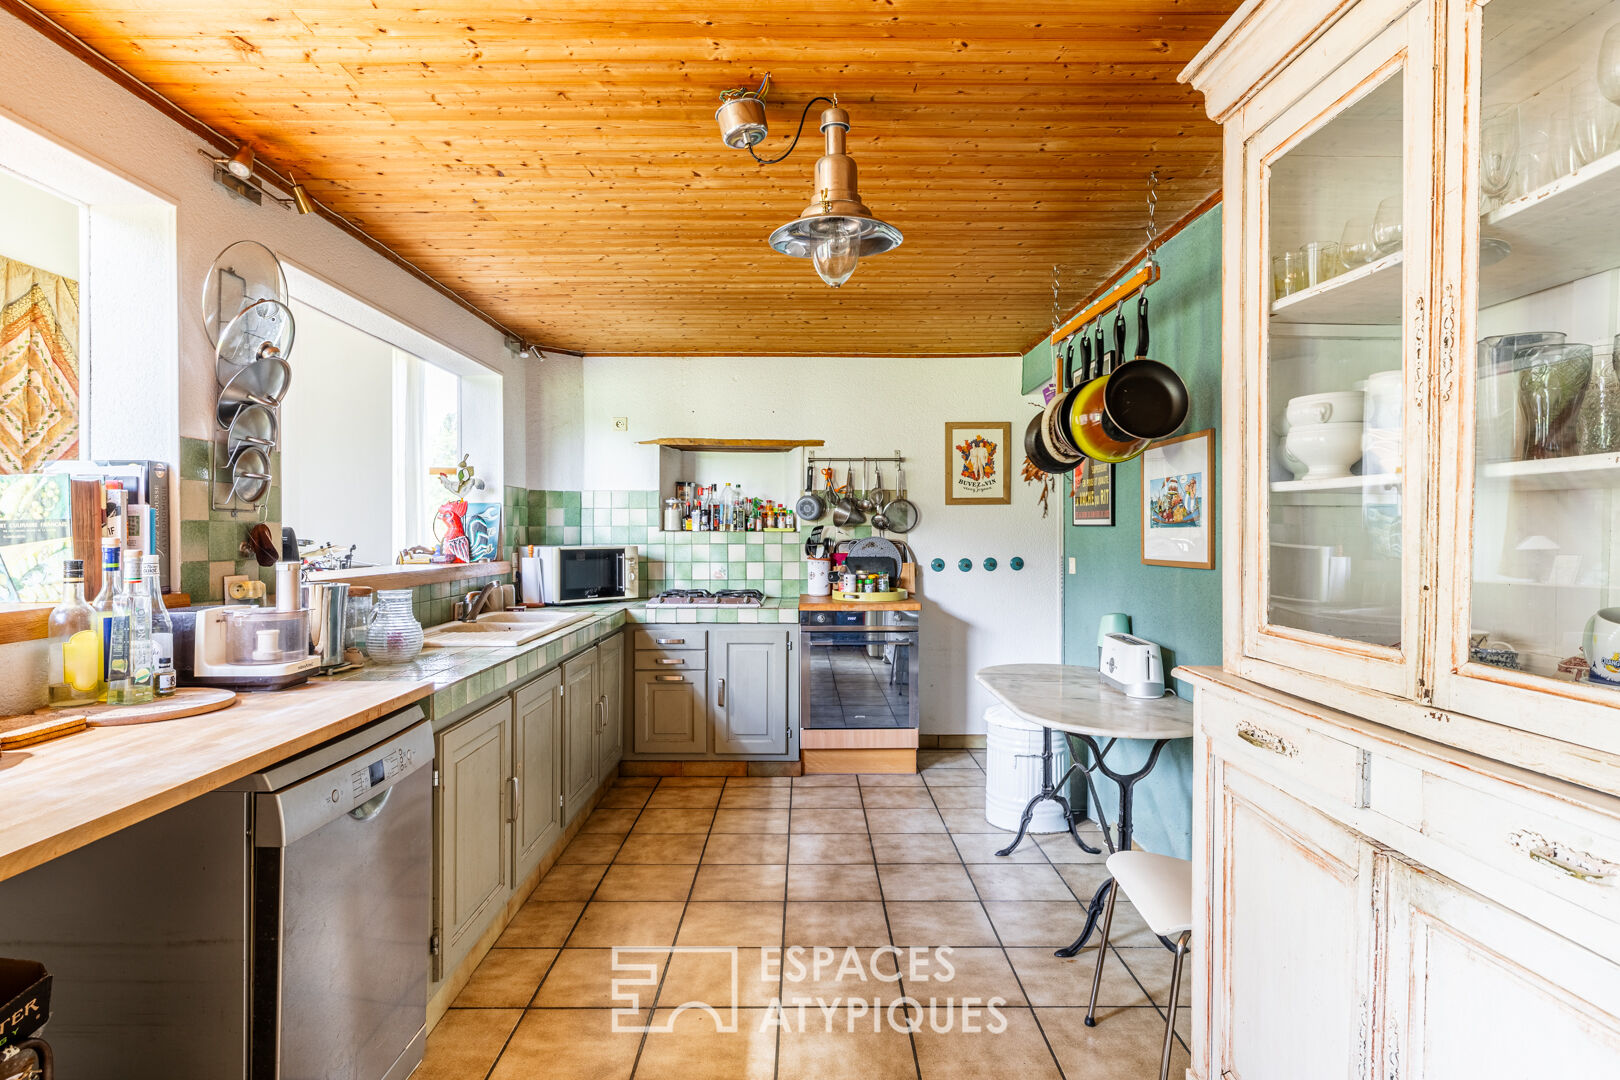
x=73, y=643
x=129, y=663
x=102, y=605
x=1597, y=427
x=164, y=679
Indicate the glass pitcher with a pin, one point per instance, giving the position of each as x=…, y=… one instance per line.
x=393, y=635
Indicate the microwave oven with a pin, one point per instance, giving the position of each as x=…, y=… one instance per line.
x=585, y=574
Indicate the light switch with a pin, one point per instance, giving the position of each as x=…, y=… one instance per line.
x=1071, y=564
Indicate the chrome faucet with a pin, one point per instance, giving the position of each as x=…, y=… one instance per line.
x=473, y=604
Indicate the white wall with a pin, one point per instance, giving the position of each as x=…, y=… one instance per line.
x=38, y=228
x=861, y=406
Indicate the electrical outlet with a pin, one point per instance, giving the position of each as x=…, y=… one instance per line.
x=621, y=423
x=229, y=580
x=1071, y=564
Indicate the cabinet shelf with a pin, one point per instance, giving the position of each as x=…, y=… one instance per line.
x=1366, y=296
x=1553, y=233
x=734, y=446
x=1353, y=484
x=1558, y=474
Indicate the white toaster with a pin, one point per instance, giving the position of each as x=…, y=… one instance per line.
x=1132, y=665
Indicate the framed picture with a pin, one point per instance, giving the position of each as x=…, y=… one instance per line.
x=1178, y=502
x=976, y=463
x=1092, y=493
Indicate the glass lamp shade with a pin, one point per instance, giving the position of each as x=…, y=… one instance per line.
x=835, y=243
x=836, y=257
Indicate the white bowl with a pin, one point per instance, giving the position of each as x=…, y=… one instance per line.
x=1328, y=450
x=1337, y=407
x=1289, y=461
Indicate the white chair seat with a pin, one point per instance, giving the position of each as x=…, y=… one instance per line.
x=1161, y=887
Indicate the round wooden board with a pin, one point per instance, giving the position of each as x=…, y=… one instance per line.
x=188, y=701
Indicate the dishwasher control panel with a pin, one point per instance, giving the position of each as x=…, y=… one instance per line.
x=364, y=777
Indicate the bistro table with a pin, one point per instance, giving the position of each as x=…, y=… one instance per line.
x=1076, y=702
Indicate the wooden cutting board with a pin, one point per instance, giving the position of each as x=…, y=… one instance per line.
x=188, y=701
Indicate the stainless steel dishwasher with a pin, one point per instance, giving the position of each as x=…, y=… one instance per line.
x=275, y=929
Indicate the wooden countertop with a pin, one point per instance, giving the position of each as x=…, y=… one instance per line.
x=827, y=603
x=62, y=795
x=1075, y=700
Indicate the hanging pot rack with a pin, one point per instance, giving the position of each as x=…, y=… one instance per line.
x=896, y=458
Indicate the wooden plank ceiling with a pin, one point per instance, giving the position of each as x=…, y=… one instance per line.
x=557, y=163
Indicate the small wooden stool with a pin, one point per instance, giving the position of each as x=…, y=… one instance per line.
x=1161, y=888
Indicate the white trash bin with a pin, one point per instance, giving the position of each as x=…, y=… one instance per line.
x=1013, y=772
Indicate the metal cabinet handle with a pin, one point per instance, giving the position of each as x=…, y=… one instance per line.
x=1265, y=740
x=672, y=678
x=1571, y=861
x=671, y=641
x=516, y=791
x=722, y=702
x=601, y=714
x=666, y=660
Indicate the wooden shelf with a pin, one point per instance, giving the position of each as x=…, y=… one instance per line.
x=735, y=446
x=1366, y=296
x=1354, y=484
x=410, y=575
x=1556, y=233
x=1557, y=474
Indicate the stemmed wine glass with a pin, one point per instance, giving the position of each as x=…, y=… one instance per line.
x=1498, y=151
x=1387, y=225
x=1608, y=66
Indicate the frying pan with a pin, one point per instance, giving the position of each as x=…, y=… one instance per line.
x=1116, y=415
x=810, y=507
x=1053, y=439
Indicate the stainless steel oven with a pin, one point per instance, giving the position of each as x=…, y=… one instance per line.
x=858, y=669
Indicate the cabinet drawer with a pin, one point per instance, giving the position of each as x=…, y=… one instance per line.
x=682, y=638
x=1267, y=739
x=662, y=660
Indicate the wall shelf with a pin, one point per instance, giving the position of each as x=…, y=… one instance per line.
x=1558, y=474
x=1551, y=233
x=1356, y=484
x=734, y=446
x=1367, y=295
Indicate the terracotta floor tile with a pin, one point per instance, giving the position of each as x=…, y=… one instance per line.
x=736, y=881
x=885, y=780
x=746, y=848
x=939, y=977
x=590, y=848
x=505, y=978
x=1125, y=1044
x=957, y=923
x=721, y=977
x=606, y=923
x=824, y=976
x=827, y=798
x=628, y=798
x=674, y=821
x=684, y=798
x=569, y=881
x=827, y=821
x=914, y=848
x=1054, y=980
x=1083, y=878
x=732, y=922
x=1060, y=848
x=1019, y=881
x=1152, y=968
x=466, y=1043
x=823, y=1047
x=751, y=821
x=897, y=798
x=693, y=1049
x=945, y=759
x=825, y=780
x=662, y=848
x=1129, y=930
x=692, y=781
x=977, y=1046
x=830, y=848
x=982, y=848
x=631, y=881
x=609, y=822
x=836, y=922
x=750, y=798
x=568, y=1044
x=904, y=821
x=968, y=778
x=925, y=881
x=541, y=924
x=734, y=782
x=833, y=881
x=635, y=781
x=969, y=820
x=1052, y=923
x=584, y=978
x=957, y=798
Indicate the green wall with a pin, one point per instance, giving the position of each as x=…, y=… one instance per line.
x=1179, y=609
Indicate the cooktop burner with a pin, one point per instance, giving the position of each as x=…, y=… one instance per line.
x=704, y=598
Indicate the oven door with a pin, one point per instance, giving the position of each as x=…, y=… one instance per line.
x=863, y=677
x=587, y=574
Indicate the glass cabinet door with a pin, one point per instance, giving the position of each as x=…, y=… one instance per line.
x=1338, y=412
x=1535, y=639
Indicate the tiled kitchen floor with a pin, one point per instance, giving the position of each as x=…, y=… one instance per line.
x=876, y=870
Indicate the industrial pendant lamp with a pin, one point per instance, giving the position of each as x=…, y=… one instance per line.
x=836, y=230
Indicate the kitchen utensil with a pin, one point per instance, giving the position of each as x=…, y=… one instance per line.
x=394, y=636
x=901, y=513
x=879, y=494
x=263, y=382
x=810, y=507
x=865, y=503
x=250, y=476
x=244, y=272
x=846, y=511
x=253, y=425
x=818, y=577
x=1328, y=450
x=1550, y=386
x=1600, y=645
x=263, y=544
x=328, y=622
x=1115, y=416
x=187, y=701
x=242, y=648
x=265, y=323
x=1055, y=441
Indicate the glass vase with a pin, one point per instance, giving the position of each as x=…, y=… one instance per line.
x=394, y=636
x=1597, y=427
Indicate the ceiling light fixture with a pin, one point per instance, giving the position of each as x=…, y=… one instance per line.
x=300, y=197
x=240, y=164
x=836, y=230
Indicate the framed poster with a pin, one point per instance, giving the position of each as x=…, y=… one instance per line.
x=1092, y=493
x=1178, y=502
x=976, y=456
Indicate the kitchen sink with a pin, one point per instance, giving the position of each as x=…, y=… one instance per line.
x=498, y=636
x=547, y=618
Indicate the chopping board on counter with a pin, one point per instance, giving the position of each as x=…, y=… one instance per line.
x=46, y=724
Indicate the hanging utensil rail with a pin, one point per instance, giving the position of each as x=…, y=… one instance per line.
x=896, y=458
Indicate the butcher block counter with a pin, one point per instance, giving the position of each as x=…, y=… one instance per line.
x=58, y=796
x=828, y=603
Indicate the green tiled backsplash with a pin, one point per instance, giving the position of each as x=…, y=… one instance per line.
x=771, y=562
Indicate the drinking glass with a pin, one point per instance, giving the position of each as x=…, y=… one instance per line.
x=1286, y=274
x=1386, y=226
x=1319, y=261
x=1356, y=244
x=1498, y=151
x=1608, y=66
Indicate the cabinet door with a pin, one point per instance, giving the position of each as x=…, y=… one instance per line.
x=580, y=712
x=671, y=713
x=537, y=754
x=1334, y=323
x=610, y=707
x=1291, y=917
x=474, y=826
x=748, y=692
x=1529, y=633
x=1475, y=990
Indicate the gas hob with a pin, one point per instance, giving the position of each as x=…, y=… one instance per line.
x=704, y=598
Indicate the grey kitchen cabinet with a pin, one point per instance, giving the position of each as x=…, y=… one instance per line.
x=748, y=692
x=671, y=713
x=610, y=696
x=474, y=828
x=537, y=745
x=581, y=709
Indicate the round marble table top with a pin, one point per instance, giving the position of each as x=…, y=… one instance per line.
x=1075, y=700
